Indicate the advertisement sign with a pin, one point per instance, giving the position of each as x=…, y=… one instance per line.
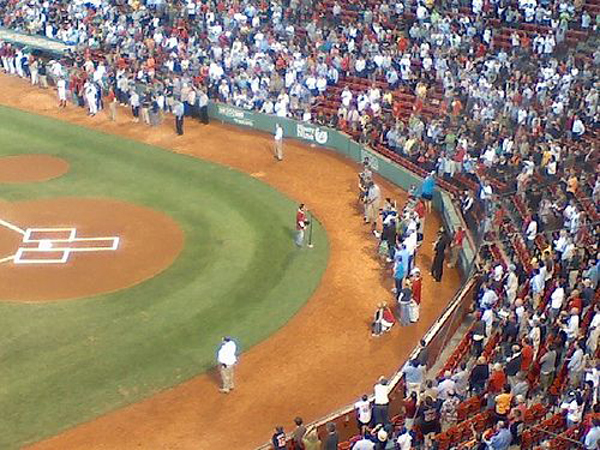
x=236, y=115
x=311, y=133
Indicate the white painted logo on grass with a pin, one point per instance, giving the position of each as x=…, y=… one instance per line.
x=55, y=245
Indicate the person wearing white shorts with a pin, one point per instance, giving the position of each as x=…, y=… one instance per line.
x=62, y=93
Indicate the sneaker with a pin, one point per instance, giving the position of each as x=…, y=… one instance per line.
x=224, y=391
x=377, y=234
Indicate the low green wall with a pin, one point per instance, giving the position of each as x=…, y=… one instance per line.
x=345, y=145
x=49, y=46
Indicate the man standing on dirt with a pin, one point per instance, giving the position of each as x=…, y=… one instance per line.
x=62, y=93
x=226, y=357
x=278, y=142
x=373, y=199
x=203, y=106
x=179, y=111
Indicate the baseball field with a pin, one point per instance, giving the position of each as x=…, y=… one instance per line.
x=125, y=256
x=122, y=267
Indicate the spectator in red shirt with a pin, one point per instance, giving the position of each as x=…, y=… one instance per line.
x=526, y=355
x=416, y=297
x=575, y=301
x=301, y=224
x=455, y=246
x=497, y=380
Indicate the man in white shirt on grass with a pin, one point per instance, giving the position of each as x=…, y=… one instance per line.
x=227, y=358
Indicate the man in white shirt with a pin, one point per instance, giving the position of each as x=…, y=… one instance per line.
x=489, y=298
x=278, y=142
x=373, y=200
x=382, y=401
x=446, y=385
x=226, y=357
x=90, y=96
x=404, y=440
x=531, y=232
x=363, y=413
x=346, y=97
x=62, y=93
x=556, y=299
x=576, y=365
x=364, y=444
x=578, y=128
x=511, y=284
x=572, y=327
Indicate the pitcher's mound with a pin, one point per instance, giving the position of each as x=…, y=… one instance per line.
x=31, y=168
x=68, y=248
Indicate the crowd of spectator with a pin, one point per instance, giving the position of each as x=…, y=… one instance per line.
x=510, y=123
x=525, y=352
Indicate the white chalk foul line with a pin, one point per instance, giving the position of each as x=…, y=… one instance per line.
x=7, y=259
x=11, y=226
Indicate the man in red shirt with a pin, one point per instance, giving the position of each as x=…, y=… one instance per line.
x=301, y=224
x=526, y=355
x=456, y=245
x=497, y=380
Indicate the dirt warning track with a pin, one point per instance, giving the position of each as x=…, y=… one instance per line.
x=323, y=358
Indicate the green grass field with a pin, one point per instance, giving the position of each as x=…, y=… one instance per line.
x=239, y=273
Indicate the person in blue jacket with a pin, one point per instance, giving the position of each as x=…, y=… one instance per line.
x=427, y=189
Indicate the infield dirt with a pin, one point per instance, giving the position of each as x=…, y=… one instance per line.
x=31, y=168
x=323, y=358
x=149, y=241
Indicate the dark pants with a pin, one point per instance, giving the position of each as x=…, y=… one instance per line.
x=204, y=114
x=179, y=125
x=380, y=414
x=437, y=268
x=398, y=284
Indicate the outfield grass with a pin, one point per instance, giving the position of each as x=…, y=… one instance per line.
x=239, y=273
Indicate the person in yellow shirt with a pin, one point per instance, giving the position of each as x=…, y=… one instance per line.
x=546, y=156
x=503, y=402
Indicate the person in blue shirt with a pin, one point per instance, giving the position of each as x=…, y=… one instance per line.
x=403, y=254
x=501, y=439
x=399, y=272
x=427, y=189
x=279, y=440
x=592, y=438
